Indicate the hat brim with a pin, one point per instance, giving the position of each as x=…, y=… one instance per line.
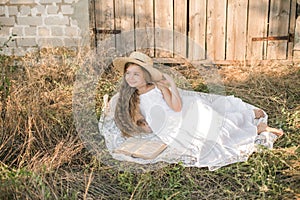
x=119, y=64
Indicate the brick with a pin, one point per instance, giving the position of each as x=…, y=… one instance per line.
x=7, y=51
x=4, y=31
x=20, y=2
x=19, y=51
x=69, y=1
x=7, y=21
x=56, y=20
x=35, y=21
x=9, y=42
x=2, y=40
x=25, y=10
x=40, y=9
x=67, y=9
x=26, y=42
x=52, y=9
x=12, y=10
x=71, y=31
x=17, y=31
x=50, y=1
x=3, y=1
x=43, y=31
x=57, y=31
x=30, y=31
x=50, y=42
x=34, y=12
x=2, y=10
x=72, y=42
x=32, y=50
x=74, y=22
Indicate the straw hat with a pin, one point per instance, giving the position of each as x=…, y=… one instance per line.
x=140, y=59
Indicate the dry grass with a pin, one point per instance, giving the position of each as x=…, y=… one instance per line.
x=42, y=156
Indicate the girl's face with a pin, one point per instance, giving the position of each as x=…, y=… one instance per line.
x=135, y=76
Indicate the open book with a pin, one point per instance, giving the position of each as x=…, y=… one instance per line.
x=141, y=148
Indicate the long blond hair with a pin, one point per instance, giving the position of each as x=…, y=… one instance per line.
x=128, y=117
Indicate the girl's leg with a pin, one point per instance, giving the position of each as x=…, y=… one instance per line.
x=264, y=127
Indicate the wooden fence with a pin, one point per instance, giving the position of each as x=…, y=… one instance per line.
x=226, y=30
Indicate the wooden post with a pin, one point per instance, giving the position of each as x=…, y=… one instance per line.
x=278, y=26
x=144, y=24
x=216, y=28
x=292, y=27
x=105, y=16
x=257, y=27
x=124, y=18
x=163, y=28
x=236, y=29
x=180, y=28
x=197, y=30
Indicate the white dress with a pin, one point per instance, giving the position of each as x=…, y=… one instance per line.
x=211, y=130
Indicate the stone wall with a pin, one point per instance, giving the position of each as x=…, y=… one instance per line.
x=43, y=23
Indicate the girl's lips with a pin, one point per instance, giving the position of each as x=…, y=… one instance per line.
x=130, y=83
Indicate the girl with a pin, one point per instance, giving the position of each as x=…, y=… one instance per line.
x=203, y=130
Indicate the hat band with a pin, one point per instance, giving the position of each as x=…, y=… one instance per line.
x=141, y=61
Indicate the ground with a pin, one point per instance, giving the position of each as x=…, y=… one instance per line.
x=42, y=155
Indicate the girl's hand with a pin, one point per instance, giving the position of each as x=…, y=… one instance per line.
x=167, y=81
x=170, y=93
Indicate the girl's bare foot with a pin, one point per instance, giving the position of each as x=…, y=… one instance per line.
x=264, y=127
x=258, y=113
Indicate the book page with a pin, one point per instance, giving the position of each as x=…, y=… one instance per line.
x=149, y=149
x=141, y=148
x=128, y=147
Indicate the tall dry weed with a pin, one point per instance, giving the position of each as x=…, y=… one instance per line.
x=38, y=133
x=39, y=109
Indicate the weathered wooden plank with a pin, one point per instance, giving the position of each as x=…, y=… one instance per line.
x=257, y=27
x=197, y=30
x=92, y=25
x=246, y=62
x=180, y=28
x=216, y=26
x=105, y=19
x=124, y=19
x=278, y=26
x=174, y=60
x=292, y=28
x=105, y=15
x=163, y=28
x=144, y=24
x=236, y=29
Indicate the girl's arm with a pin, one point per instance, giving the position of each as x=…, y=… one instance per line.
x=170, y=93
